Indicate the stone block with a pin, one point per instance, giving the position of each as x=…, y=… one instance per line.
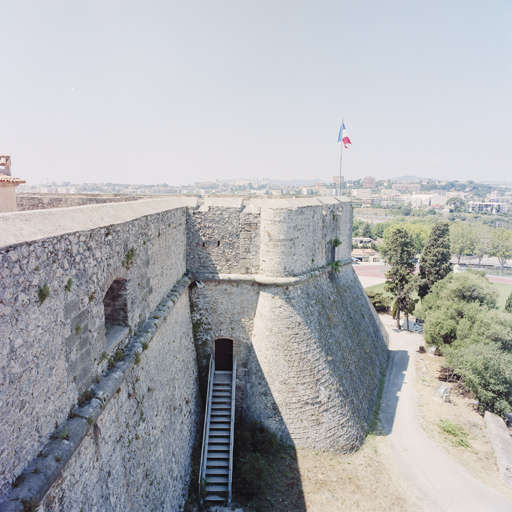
x=70, y=309
x=502, y=444
x=444, y=392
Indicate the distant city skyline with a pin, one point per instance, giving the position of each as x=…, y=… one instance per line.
x=182, y=92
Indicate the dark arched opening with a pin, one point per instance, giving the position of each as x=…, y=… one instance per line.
x=115, y=303
x=223, y=355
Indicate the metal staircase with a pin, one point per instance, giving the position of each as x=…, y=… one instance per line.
x=216, y=472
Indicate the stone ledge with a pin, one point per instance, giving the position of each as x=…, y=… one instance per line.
x=19, y=227
x=55, y=454
x=502, y=444
x=266, y=280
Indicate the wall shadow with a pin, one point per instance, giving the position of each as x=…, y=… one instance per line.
x=281, y=484
x=395, y=376
x=282, y=489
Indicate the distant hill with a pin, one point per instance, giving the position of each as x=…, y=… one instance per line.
x=408, y=178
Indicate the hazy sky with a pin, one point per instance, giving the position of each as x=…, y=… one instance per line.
x=182, y=91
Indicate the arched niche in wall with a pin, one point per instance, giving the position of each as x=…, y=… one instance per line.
x=115, y=305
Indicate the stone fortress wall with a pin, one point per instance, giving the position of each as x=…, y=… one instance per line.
x=273, y=275
x=55, y=349
x=310, y=347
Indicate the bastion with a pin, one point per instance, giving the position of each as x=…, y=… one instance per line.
x=109, y=314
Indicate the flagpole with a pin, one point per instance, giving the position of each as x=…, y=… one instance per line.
x=341, y=156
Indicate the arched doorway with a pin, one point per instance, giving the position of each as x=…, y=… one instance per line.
x=223, y=355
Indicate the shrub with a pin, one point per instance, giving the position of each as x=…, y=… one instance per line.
x=487, y=371
x=440, y=327
x=380, y=301
x=43, y=292
x=508, y=304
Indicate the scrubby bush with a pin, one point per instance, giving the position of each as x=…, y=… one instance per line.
x=486, y=371
x=461, y=317
x=440, y=327
x=508, y=304
x=453, y=305
x=380, y=301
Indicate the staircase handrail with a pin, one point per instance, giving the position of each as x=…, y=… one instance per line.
x=204, y=449
x=232, y=428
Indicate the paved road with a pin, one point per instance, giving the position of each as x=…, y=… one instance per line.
x=374, y=271
x=441, y=484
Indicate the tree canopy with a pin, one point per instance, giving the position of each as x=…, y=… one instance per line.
x=400, y=255
x=501, y=245
x=461, y=317
x=435, y=258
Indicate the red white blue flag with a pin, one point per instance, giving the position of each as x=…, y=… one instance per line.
x=343, y=137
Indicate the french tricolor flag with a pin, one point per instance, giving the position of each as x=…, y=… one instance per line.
x=343, y=137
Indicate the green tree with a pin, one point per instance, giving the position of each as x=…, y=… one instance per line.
x=399, y=255
x=487, y=371
x=407, y=209
x=457, y=204
x=408, y=302
x=419, y=232
x=435, y=258
x=366, y=230
x=379, y=228
x=501, y=245
x=453, y=305
x=482, y=242
x=508, y=304
x=462, y=240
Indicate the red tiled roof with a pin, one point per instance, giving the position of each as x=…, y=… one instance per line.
x=9, y=180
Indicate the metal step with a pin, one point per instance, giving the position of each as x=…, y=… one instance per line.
x=218, y=448
x=215, y=433
x=219, y=463
x=221, y=412
x=217, y=479
x=215, y=440
x=217, y=424
x=216, y=488
x=217, y=471
x=212, y=497
x=217, y=455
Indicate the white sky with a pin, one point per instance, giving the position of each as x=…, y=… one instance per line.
x=181, y=91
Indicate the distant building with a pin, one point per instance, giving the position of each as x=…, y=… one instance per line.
x=406, y=187
x=367, y=255
x=426, y=200
x=489, y=207
x=336, y=181
x=362, y=241
x=369, y=182
x=8, y=186
x=361, y=192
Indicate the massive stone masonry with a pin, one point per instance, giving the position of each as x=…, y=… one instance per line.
x=272, y=275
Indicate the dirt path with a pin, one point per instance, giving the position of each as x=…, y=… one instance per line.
x=440, y=484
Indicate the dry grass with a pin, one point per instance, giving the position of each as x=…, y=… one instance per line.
x=475, y=454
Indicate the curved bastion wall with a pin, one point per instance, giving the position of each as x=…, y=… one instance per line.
x=318, y=348
x=310, y=347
